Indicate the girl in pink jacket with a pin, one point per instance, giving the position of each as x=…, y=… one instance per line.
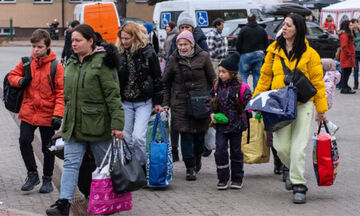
x=331, y=78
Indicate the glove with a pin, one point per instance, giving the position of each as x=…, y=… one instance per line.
x=56, y=122
x=23, y=82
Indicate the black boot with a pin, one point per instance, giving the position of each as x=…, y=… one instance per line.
x=175, y=155
x=278, y=165
x=190, y=169
x=46, y=186
x=299, y=192
x=60, y=208
x=31, y=180
x=197, y=163
x=190, y=174
x=286, y=178
x=206, y=152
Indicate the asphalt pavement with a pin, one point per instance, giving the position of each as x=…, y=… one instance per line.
x=263, y=192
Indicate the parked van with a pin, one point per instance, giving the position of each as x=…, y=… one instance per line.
x=204, y=12
x=101, y=16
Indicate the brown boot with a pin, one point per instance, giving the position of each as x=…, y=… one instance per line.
x=356, y=85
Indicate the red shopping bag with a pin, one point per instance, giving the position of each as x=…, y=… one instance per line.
x=325, y=157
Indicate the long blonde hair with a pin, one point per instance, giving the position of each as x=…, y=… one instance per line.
x=138, y=36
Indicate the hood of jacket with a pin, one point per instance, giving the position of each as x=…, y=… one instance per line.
x=43, y=60
x=328, y=64
x=174, y=31
x=252, y=24
x=199, y=34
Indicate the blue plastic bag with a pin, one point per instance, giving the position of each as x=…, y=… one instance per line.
x=278, y=107
x=159, y=163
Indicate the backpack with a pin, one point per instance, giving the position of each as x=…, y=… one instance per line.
x=12, y=96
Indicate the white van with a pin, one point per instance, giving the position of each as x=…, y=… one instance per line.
x=204, y=12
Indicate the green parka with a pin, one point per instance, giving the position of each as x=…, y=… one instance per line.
x=92, y=99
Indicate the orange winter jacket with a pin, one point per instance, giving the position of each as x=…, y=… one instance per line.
x=41, y=100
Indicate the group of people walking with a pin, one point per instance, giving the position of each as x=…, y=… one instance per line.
x=110, y=90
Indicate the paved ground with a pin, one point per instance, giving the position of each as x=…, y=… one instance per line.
x=263, y=192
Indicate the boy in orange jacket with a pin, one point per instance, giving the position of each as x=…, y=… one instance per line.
x=42, y=106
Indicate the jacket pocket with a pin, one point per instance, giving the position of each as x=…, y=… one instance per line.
x=92, y=120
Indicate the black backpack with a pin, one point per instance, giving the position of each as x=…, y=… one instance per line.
x=12, y=96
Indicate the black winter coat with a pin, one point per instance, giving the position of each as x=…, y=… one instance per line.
x=199, y=75
x=251, y=38
x=148, y=69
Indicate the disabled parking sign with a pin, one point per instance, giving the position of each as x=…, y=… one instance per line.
x=165, y=18
x=202, y=18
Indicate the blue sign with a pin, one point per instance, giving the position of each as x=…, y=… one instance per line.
x=202, y=18
x=165, y=18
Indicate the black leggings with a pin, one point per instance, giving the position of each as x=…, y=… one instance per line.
x=345, y=77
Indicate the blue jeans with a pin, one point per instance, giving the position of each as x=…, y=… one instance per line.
x=356, y=69
x=74, y=153
x=137, y=116
x=251, y=63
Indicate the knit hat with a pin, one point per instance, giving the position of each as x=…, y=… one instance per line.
x=231, y=63
x=185, y=18
x=186, y=35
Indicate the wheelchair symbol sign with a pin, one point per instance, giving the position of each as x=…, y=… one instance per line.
x=165, y=18
x=202, y=18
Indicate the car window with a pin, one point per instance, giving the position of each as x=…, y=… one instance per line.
x=313, y=29
x=229, y=27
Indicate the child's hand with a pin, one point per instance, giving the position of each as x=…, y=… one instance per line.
x=213, y=121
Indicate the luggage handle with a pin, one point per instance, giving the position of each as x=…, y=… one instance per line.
x=326, y=128
x=156, y=122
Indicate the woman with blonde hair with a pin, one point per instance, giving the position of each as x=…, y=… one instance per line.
x=140, y=85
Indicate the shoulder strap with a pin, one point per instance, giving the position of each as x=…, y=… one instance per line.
x=53, y=68
x=26, y=63
x=288, y=69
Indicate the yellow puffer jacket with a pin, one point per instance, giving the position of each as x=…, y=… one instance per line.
x=272, y=74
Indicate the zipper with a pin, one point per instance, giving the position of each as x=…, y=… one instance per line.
x=50, y=83
x=83, y=80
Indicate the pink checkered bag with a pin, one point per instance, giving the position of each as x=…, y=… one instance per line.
x=102, y=199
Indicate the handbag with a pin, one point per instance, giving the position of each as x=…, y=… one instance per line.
x=325, y=157
x=196, y=101
x=102, y=199
x=305, y=89
x=254, y=143
x=127, y=174
x=278, y=107
x=159, y=164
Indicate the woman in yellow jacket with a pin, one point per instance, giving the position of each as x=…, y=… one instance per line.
x=290, y=141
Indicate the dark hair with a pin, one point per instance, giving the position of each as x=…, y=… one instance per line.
x=353, y=20
x=41, y=34
x=251, y=18
x=74, y=23
x=172, y=25
x=214, y=102
x=299, y=45
x=217, y=22
x=87, y=32
x=345, y=27
x=99, y=39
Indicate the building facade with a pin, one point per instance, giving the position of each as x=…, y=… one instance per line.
x=28, y=15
